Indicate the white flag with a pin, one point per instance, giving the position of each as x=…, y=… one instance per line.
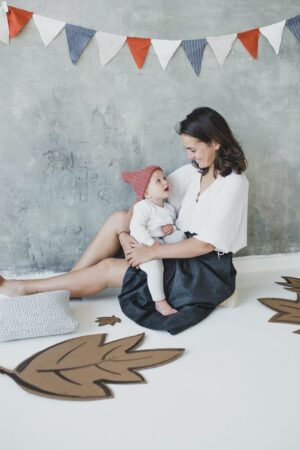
x=48, y=28
x=274, y=34
x=165, y=50
x=109, y=45
x=4, y=31
x=221, y=46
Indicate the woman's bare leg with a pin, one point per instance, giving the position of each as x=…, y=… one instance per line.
x=106, y=243
x=82, y=282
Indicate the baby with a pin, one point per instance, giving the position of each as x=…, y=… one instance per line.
x=153, y=221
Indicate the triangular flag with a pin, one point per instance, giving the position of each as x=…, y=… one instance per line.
x=4, y=30
x=109, y=45
x=194, y=50
x=139, y=49
x=249, y=39
x=17, y=19
x=165, y=50
x=48, y=28
x=221, y=46
x=294, y=26
x=78, y=39
x=274, y=34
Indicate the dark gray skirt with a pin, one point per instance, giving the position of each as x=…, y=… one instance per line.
x=193, y=286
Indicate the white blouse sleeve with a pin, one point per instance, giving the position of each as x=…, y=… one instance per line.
x=138, y=223
x=225, y=226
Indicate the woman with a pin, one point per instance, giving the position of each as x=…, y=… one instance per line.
x=211, y=199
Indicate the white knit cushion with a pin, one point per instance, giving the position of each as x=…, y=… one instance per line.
x=35, y=315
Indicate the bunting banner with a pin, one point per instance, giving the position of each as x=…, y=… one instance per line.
x=109, y=45
x=139, y=49
x=164, y=50
x=221, y=46
x=294, y=26
x=13, y=20
x=274, y=34
x=4, y=30
x=78, y=38
x=249, y=39
x=194, y=50
x=48, y=28
x=17, y=19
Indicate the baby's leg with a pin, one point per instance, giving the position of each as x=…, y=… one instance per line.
x=155, y=270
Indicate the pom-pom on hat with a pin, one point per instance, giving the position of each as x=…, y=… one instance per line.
x=139, y=179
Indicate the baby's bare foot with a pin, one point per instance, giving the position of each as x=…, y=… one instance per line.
x=164, y=308
x=11, y=288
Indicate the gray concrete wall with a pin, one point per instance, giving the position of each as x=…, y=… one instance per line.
x=67, y=131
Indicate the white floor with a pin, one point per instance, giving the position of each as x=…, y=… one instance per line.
x=235, y=388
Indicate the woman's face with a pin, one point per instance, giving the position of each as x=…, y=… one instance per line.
x=200, y=152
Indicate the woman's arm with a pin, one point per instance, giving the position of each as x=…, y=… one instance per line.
x=124, y=237
x=128, y=218
x=188, y=248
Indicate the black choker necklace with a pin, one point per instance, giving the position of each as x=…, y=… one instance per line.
x=202, y=170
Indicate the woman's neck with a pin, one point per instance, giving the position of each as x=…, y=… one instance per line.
x=212, y=173
x=209, y=174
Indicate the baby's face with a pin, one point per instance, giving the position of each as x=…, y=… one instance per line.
x=158, y=187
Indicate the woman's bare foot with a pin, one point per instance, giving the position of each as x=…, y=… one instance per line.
x=164, y=308
x=11, y=288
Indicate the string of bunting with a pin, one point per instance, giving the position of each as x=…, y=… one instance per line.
x=13, y=20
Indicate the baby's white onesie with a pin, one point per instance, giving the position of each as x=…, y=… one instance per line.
x=145, y=227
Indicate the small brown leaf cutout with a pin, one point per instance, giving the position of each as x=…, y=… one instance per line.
x=288, y=311
x=77, y=369
x=107, y=320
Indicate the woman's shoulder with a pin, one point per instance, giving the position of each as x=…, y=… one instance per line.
x=235, y=179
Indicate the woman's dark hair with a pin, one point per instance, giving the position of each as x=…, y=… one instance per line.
x=207, y=125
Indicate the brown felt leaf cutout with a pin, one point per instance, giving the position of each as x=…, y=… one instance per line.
x=110, y=320
x=288, y=311
x=77, y=369
x=291, y=284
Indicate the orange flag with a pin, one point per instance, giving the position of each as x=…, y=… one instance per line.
x=17, y=19
x=139, y=48
x=249, y=39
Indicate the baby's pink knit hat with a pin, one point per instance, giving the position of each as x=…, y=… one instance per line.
x=139, y=179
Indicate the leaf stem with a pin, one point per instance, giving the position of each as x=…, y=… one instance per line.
x=5, y=371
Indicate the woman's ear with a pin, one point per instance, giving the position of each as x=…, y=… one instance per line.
x=216, y=144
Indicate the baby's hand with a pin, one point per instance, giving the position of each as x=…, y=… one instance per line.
x=167, y=229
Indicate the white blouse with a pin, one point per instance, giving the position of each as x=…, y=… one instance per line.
x=220, y=215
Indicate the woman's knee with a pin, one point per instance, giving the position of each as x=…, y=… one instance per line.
x=118, y=220
x=106, y=265
x=120, y=214
x=113, y=271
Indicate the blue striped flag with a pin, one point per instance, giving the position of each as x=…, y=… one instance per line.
x=194, y=50
x=78, y=39
x=294, y=25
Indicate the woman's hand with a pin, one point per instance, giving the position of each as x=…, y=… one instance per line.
x=126, y=240
x=139, y=253
x=167, y=229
